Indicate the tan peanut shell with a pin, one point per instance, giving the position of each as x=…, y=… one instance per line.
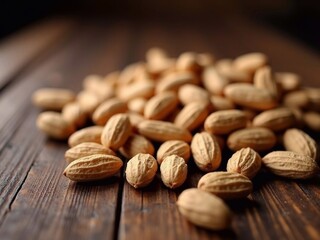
x=88, y=134
x=136, y=144
x=313, y=95
x=221, y=103
x=290, y=164
x=143, y=89
x=93, y=167
x=163, y=131
x=158, y=61
x=97, y=86
x=116, y=131
x=296, y=140
x=173, y=171
x=86, y=149
x=259, y=139
x=226, y=185
x=226, y=68
x=160, y=106
x=141, y=170
x=187, y=61
x=52, y=98
x=173, y=81
x=74, y=114
x=263, y=79
x=288, y=81
x=135, y=119
x=206, y=152
x=137, y=105
x=173, y=147
x=312, y=120
x=250, y=62
x=107, y=109
x=247, y=95
x=205, y=59
x=275, y=119
x=112, y=78
x=192, y=115
x=213, y=81
x=54, y=125
x=225, y=121
x=189, y=93
x=245, y=161
x=88, y=101
x=297, y=99
x=127, y=75
x=204, y=209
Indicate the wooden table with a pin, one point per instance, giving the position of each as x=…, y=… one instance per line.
x=38, y=202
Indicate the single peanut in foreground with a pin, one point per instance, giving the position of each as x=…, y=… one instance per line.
x=204, y=209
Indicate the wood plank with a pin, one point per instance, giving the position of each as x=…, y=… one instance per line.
x=47, y=203
x=19, y=50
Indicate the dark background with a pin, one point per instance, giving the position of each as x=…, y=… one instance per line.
x=301, y=19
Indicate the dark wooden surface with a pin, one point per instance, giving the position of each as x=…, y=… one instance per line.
x=37, y=202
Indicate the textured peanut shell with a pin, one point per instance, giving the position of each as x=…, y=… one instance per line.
x=225, y=121
x=173, y=147
x=116, y=131
x=86, y=149
x=160, y=106
x=88, y=134
x=206, y=152
x=290, y=164
x=192, y=115
x=94, y=167
x=296, y=140
x=245, y=161
x=247, y=95
x=52, y=124
x=136, y=144
x=173, y=171
x=163, y=131
x=107, y=109
x=275, y=119
x=204, y=209
x=259, y=139
x=226, y=185
x=141, y=170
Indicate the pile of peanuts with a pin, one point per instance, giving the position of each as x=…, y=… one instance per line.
x=214, y=104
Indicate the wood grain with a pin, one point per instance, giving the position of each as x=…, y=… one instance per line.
x=48, y=201
x=18, y=51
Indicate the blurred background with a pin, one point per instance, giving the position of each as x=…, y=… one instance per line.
x=300, y=19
